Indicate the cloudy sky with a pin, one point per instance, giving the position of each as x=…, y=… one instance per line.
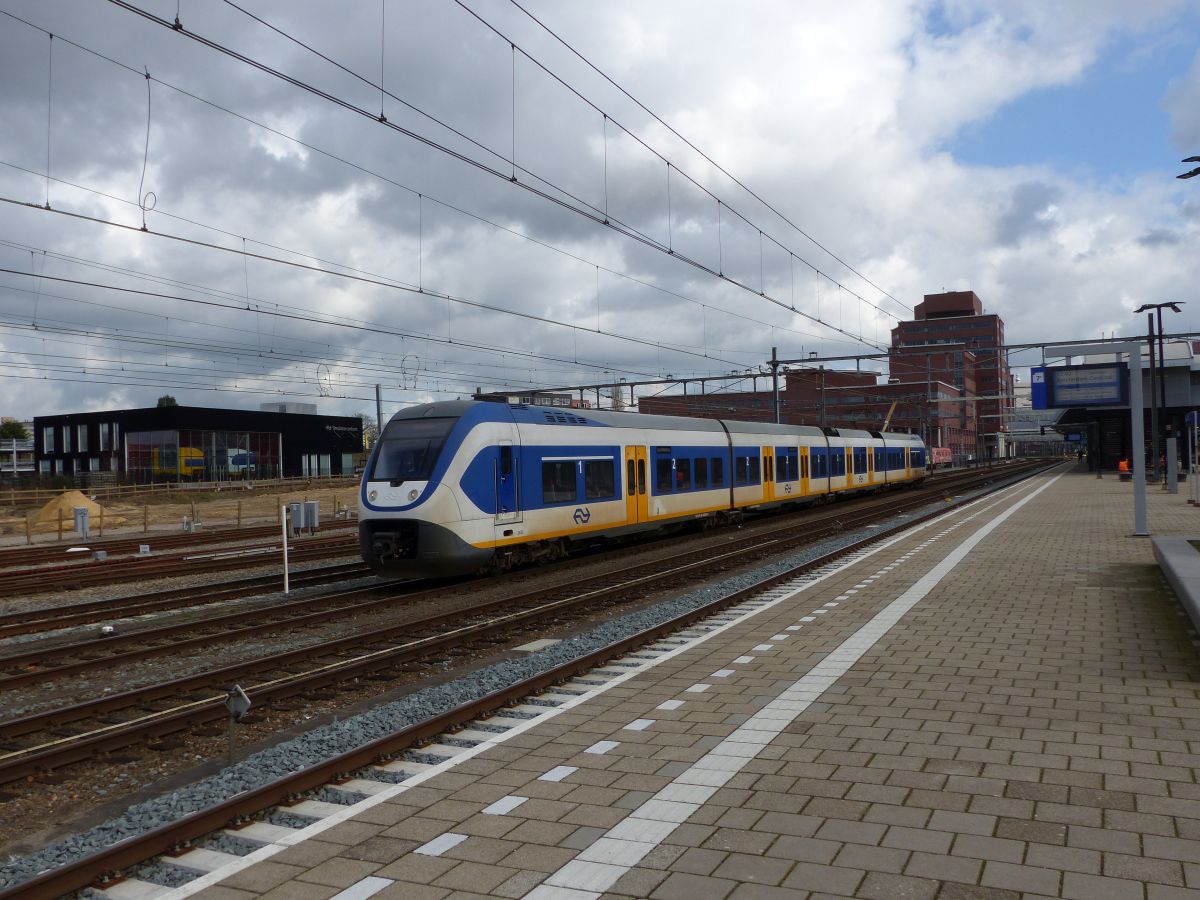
x=240, y=227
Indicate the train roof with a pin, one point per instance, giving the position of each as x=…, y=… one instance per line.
x=486, y=410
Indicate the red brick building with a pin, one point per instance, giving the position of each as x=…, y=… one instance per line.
x=948, y=382
x=957, y=318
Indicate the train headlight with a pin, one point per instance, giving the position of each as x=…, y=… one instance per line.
x=412, y=495
x=372, y=495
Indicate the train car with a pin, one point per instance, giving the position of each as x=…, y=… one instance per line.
x=462, y=486
x=184, y=464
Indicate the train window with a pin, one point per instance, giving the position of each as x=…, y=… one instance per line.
x=860, y=460
x=662, y=475
x=741, y=466
x=754, y=479
x=785, y=464
x=769, y=468
x=558, y=482
x=641, y=476
x=701, y=473
x=599, y=479
x=718, y=471
x=683, y=474
x=804, y=466
x=506, y=459
x=409, y=449
x=630, y=479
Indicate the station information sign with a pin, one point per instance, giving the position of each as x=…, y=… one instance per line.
x=1059, y=387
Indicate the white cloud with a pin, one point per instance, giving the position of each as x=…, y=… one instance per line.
x=838, y=113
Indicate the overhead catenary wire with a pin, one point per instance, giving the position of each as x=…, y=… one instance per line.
x=563, y=198
x=660, y=156
x=358, y=167
x=377, y=329
x=304, y=351
x=450, y=298
x=716, y=165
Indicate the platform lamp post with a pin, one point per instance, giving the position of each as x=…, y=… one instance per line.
x=1158, y=400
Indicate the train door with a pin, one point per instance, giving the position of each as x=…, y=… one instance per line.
x=768, y=473
x=804, y=471
x=870, y=465
x=636, y=501
x=508, y=502
x=907, y=465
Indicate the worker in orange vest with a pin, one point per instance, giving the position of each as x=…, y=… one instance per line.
x=1123, y=466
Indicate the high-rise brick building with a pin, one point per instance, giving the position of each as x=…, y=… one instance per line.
x=957, y=318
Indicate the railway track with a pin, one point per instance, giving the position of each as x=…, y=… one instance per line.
x=24, y=556
x=43, y=662
x=119, y=570
x=338, y=769
x=57, y=738
x=97, y=611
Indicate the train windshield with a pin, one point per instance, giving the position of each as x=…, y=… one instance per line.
x=409, y=449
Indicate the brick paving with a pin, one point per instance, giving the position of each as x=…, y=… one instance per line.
x=1030, y=728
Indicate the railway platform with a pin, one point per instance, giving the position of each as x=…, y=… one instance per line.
x=1003, y=702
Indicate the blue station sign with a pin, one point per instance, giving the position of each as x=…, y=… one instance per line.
x=1060, y=387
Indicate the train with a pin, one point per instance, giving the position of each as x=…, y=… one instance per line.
x=464, y=486
x=182, y=464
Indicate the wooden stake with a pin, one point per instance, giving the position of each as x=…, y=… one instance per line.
x=102, y=521
x=145, y=518
x=60, y=524
x=28, y=528
x=239, y=524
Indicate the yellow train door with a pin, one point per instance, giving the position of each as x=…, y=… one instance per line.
x=768, y=473
x=804, y=471
x=636, y=502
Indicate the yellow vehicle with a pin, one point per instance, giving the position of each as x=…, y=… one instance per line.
x=185, y=465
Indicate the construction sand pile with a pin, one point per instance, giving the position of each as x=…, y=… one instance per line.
x=64, y=506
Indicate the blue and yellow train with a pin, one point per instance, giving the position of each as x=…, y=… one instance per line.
x=464, y=486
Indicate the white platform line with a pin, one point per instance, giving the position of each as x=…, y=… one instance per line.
x=504, y=805
x=656, y=818
x=361, y=890
x=441, y=844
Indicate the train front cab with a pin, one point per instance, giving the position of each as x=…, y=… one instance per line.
x=410, y=518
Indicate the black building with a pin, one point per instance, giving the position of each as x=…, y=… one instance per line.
x=191, y=443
